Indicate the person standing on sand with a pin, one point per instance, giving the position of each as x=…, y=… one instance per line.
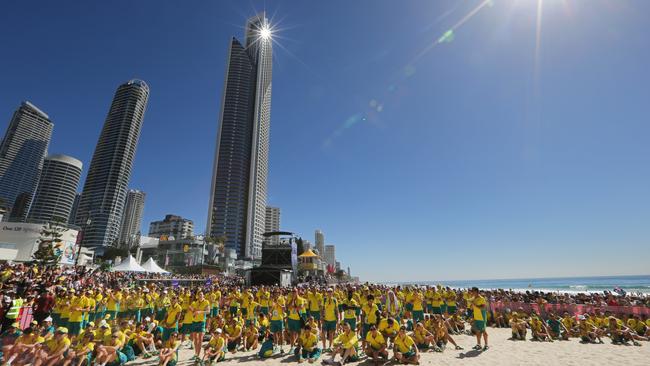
x=479, y=310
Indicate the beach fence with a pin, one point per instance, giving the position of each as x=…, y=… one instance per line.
x=573, y=309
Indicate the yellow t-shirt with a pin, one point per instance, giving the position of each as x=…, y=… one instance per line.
x=350, y=312
x=370, y=311
x=113, y=302
x=404, y=344
x=76, y=316
x=233, y=330
x=387, y=329
x=478, y=312
x=173, y=344
x=329, y=308
x=90, y=346
x=347, y=340
x=29, y=339
x=450, y=298
x=417, y=299
x=308, y=340
x=315, y=301
x=217, y=343
x=277, y=312
x=436, y=299
x=55, y=346
x=201, y=306
x=376, y=341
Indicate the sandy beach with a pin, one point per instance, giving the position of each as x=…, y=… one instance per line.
x=502, y=352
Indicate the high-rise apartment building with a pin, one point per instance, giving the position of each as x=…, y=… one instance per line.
x=172, y=226
x=56, y=190
x=330, y=255
x=105, y=189
x=132, y=218
x=239, y=181
x=22, y=152
x=320, y=243
x=75, y=206
x=272, y=223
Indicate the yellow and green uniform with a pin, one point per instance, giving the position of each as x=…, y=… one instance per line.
x=330, y=307
x=277, y=317
x=436, y=302
x=404, y=345
x=387, y=329
x=198, y=321
x=350, y=313
x=315, y=300
x=450, y=301
x=376, y=341
x=479, y=313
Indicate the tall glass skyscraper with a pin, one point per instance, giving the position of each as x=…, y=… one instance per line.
x=104, y=193
x=132, y=218
x=56, y=189
x=22, y=152
x=239, y=180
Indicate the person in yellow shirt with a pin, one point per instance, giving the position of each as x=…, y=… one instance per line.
x=295, y=306
x=82, y=351
x=369, y=314
x=251, y=336
x=436, y=301
x=169, y=353
x=450, y=301
x=188, y=317
x=345, y=345
x=350, y=311
x=233, y=334
x=172, y=316
x=417, y=301
x=264, y=298
x=53, y=350
x=200, y=309
x=113, y=301
x=479, y=314
x=277, y=321
x=376, y=346
x=78, y=306
x=308, y=345
x=215, y=301
x=24, y=347
x=422, y=337
x=441, y=334
x=538, y=329
x=315, y=300
x=215, y=350
x=330, y=316
x=388, y=327
x=404, y=350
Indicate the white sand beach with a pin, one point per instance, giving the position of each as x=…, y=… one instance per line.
x=502, y=352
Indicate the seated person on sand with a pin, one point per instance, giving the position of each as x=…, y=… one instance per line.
x=556, y=329
x=214, y=351
x=233, y=333
x=539, y=330
x=346, y=346
x=308, y=345
x=404, y=350
x=588, y=331
x=637, y=325
x=455, y=324
x=251, y=337
x=268, y=346
x=518, y=326
x=501, y=318
x=53, y=351
x=422, y=337
x=388, y=327
x=82, y=351
x=109, y=353
x=169, y=352
x=441, y=335
x=144, y=341
x=376, y=346
x=24, y=348
x=569, y=323
x=621, y=334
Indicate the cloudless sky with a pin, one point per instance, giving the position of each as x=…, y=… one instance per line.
x=498, y=152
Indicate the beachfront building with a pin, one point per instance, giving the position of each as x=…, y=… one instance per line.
x=22, y=152
x=56, y=190
x=132, y=218
x=330, y=255
x=237, y=208
x=172, y=226
x=104, y=193
x=272, y=223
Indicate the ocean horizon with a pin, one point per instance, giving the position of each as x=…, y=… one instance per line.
x=630, y=284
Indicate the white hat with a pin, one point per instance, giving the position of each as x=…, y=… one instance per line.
x=147, y=319
x=48, y=319
x=103, y=324
x=218, y=330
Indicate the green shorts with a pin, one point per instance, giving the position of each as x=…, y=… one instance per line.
x=264, y=310
x=418, y=316
x=186, y=328
x=74, y=328
x=443, y=307
x=437, y=310
x=409, y=307
x=198, y=327
x=167, y=332
x=479, y=325
x=422, y=346
x=329, y=326
x=451, y=309
x=409, y=354
x=233, y=310
x=293, y=325
x=315, y=314
x=277, y=326
x=214, y=312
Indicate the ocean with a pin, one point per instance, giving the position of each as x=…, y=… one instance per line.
x=631, y=284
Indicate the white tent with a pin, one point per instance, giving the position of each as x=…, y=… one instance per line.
x=128, y=265
x=152, y=267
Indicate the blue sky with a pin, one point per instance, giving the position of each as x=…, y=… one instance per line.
x=498, y=152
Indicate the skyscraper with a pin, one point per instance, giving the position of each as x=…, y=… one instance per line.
x=104, y=192
x=273, y=223
x=131, y=217
x=330, y=255
x=75, y=206
x=239, y=180
x=22, y=151
x=56, y=189
x=320, y=243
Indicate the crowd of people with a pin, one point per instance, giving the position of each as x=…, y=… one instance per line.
x=78, y=317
